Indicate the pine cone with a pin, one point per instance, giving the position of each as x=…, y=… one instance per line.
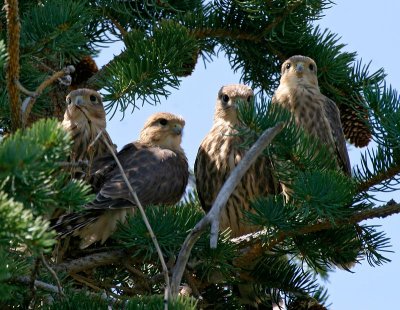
x=84, y=70
x=355, y=125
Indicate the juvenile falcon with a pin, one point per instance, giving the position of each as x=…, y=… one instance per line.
x=84, y=118
x=218, y=155
x=317, y=114
x=157, y=169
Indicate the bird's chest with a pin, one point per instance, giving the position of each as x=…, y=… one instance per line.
x=227, y=152
x=307, y=109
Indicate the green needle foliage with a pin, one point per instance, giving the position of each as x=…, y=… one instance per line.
x=305, y=233
x=31, y=169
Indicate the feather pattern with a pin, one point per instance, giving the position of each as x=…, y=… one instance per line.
x=318, y=115
x=218, y=155
x=157, y=169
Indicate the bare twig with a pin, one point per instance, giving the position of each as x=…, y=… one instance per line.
x=91, y=261
x=212, y=217
x=86, y=281
x=95, y=140
x=53, y=273
x=13, y=68
x=24, y=90
x=54, y=289
x=145, y=220
x=28, y=104
x=37, y=283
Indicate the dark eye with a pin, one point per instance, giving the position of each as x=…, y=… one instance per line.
x=311, y=67
x=93, y=98
x=163, y=121
x=225, y=98
x=287, y=66
x=68, y=100
x=248, y=98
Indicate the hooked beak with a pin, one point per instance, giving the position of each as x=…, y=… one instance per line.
x=177, y=129
x=300, y=67
x=78, y=100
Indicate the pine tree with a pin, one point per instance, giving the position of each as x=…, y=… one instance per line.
x=48, y=46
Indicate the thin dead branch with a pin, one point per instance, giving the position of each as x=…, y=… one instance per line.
x=54, y=274
x=54, y=289
x=37, y=283
x=91, y=261
x=212, y=217
x=146, y=221
x=28, y=103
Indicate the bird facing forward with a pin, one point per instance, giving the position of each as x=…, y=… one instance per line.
x=84, y=119
x=218, y=155
x=318, y=115
x=157, y=169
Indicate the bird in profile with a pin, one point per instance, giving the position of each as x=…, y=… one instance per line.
x=84, y=119
x=157, y=169
x=318, y=115
x=218, y=155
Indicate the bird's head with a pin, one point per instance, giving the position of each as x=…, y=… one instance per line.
x=163, y=130
x=299, y=69
x=85, y=105
x=228, y=99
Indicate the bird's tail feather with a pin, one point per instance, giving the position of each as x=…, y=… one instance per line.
x=67, y=224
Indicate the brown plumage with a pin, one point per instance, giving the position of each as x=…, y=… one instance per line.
x=317, y=114
x=218, y=155
x=156, y=167
x=84, y=118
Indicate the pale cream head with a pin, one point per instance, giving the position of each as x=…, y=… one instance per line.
x=228, y=99
x=299, y=70
x=83, y=104
x=163, y=130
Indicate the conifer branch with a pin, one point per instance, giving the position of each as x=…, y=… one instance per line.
x=202, y=33
x=28, y=104
x=212, y=217
x=250, y=241
x=378, y=178
x=146, y=221
x=94, y=82
x=120, y=28
x=13, y=68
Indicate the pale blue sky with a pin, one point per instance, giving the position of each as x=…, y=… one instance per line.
x=371, y=28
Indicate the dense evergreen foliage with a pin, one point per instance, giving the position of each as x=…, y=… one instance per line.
x=317, y=230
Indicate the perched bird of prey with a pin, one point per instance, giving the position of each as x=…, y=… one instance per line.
x=317, y=114
x=84, y=119
x=157, y=169
x=218, y=155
